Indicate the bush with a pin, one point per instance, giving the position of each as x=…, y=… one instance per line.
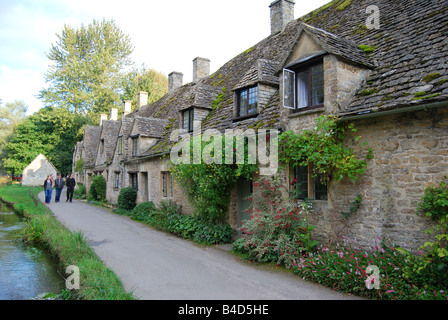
x=278, y=229
x=98, y=188
x=127, y=199
x=80, y=191
x=142, y=211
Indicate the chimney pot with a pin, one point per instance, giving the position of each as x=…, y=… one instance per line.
x=114, y=114
x=142, y=99
x=175, y=80
x=103, y=117
x=127, y=107
x=282, y=13
x=201, y=68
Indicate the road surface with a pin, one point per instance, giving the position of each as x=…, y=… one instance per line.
x=158, y=266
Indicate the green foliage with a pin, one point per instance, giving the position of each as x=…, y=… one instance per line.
x=167, y=217
x=344, y=268
x=354, y=207
x=278, y=230
x=208, y=185
x=142, y=211
x=50, y=131
x=98, y=188
x=127, y=199
x=80, y=191
x=324, y=148
x=434, y=202
x=86, y=68
x=144, y=79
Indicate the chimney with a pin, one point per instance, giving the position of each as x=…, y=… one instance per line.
x=127, y=108
x=142, y=99
x=175, y=80
x=201, y=68
x=103, y=117
x=282, y=13
x=114, y=114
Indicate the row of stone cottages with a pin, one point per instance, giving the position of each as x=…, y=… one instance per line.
x=395, y=93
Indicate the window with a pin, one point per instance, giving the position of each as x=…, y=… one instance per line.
x=101, y=146
x=120, y=145
x=117, y=180
x=303, y=87
x=247, y=102
x=305, y=185
x=188, y=118
x=133, y=180
x=167, y=184
x=134, y=147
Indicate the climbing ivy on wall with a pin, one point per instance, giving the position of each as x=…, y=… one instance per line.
x=324, y=148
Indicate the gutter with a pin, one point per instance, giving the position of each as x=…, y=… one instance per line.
x=367, y=115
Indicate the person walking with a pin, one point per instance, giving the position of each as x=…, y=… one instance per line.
x=59, y=185
x=70, y=183
x=48, y=188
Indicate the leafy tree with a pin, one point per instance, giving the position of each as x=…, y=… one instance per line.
x=87, y=67
x=11, y=114
x=144, y=79
x=50, y=131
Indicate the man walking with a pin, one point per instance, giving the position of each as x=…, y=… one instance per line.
x=71, y=183
x=59, y=185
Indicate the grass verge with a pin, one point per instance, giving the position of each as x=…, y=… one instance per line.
x=97, y=282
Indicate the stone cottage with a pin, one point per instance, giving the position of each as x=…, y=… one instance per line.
x=37, y=171
x=383, y=67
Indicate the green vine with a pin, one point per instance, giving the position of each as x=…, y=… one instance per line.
x=323, y=147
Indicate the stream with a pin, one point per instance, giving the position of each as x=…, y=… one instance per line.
x=25, y=271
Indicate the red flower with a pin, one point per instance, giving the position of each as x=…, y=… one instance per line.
x=293, y=181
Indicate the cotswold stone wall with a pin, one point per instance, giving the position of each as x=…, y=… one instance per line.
x=410, y=153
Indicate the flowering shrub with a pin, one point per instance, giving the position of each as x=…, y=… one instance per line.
x=278, y=229
x=345, y=269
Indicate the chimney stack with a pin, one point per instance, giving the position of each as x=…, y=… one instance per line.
x=142, y=99
x=175, y=80
x=127, y=108
x=114, y=114
x=282, y=13
x=201, y=68
x=103, y=117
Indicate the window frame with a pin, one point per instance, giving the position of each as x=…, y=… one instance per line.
x=312, y=184
x=133, y=177
x=290, y=79
x=117, y=180
x=254, y=108
x=188, y=114
x=167, y=184
x=120, y=145
x=134, y=146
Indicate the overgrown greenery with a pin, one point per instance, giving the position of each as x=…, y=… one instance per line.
x=208, y=185
x=323, y=147
x=127, y=198
x=97, y=191
x=167, y=217
x=97, y=282
x=278, y=230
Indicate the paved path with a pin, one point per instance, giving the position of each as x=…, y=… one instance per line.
x=158, y=266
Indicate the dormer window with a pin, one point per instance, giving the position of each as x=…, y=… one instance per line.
x=303, y=87
x=188, y=118
x=247, y=101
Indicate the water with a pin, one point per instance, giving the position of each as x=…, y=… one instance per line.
x=25, y=271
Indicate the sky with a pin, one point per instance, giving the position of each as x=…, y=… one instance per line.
x=166, y=34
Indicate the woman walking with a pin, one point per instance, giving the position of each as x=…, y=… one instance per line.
x=48, y=188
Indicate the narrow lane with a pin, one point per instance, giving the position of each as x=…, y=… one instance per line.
x=158, y=266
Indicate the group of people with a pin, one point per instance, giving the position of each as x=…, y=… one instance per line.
x=58, y=184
